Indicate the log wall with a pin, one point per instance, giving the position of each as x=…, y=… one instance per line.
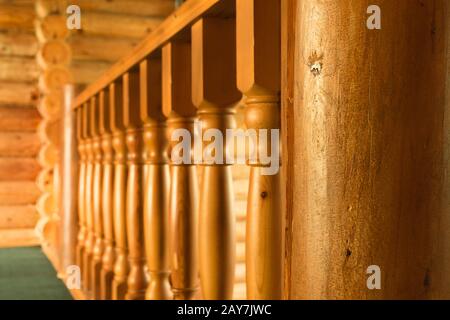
x=19, y=118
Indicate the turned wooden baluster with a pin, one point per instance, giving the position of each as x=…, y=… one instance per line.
x=89, y=199
x=82, y=232
x=215, y=94
x=178, y=107
x=156, y=201
x=108, y=259
x=121, y=266
x=258, y=68
x=97, y=252
x=137, y=278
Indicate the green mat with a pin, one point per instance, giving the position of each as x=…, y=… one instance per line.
x=27, y=274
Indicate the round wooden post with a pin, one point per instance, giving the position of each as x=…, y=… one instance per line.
x=215, y=94
x=108, y=259
x=121, y=265
x=178, y=107
x=97, y=252
x=258, y=70
x=368, y=129
x=137, y=278
x=156, y=191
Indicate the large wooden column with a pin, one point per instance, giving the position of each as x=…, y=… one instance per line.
x=157, y=178
x=97, y=251
x=367, y=150
x=121, y=265
x=178, y=107
x=137, y=278
x=258, y=57
x=215, y=94
x=107, y=196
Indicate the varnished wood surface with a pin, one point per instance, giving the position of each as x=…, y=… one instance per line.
x=368, y=129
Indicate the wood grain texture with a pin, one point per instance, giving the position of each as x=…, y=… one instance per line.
x=17, y=217
x=18, y=119
x=368, y=143
x=19, y=144
x=18, y=169
x=18, y=94
x=18, y=192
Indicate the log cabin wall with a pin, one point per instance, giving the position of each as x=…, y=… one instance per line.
x=19, y=118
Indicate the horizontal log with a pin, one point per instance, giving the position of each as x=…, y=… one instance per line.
x=45, y=205
x=19, y=119
x=19, y=169
x=116, y=25
x=16, y=17
x=15, y=217
x=18, y=238
x=85, y=47
x=18, y=94
x=48, y=156
x=18, y=69
x=85, y=72
x=18, y=44
x=19, y=144
x=18, y=192
x=128, y=7
x=49, y=132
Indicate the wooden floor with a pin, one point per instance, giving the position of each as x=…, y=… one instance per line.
x=10, y=238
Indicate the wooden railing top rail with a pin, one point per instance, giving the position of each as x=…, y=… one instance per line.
x=181, y=19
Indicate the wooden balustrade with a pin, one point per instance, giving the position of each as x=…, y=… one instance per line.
x=121, y=266
x=137, y=278
x=183, y=206
x=109, y=254
x=144, y=230
x=258, y=47
x=215, y=94
x=156, y=201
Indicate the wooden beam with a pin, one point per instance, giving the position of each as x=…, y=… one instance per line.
x=19, y=144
